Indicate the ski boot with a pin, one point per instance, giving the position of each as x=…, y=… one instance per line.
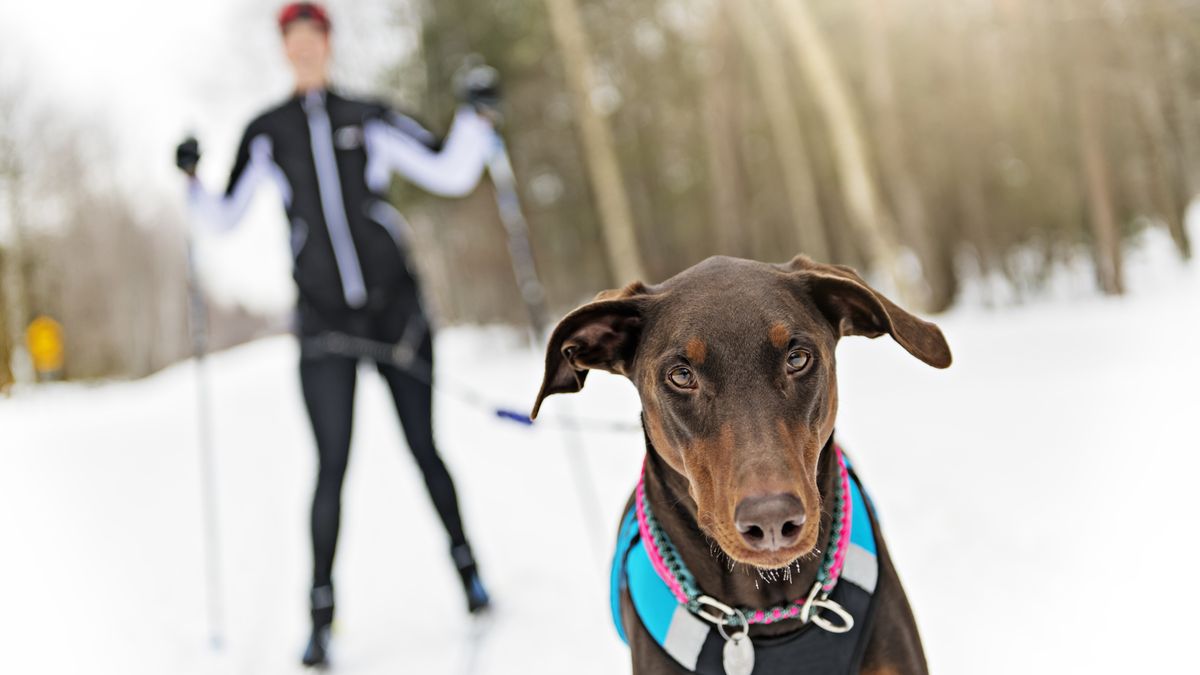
x=477, y=597
x=316, y=654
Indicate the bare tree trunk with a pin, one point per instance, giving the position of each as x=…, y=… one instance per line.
x=1171, y=153
x=858, y=185
x=1189, y=139
x=772, y=81
x=963, y=64
x=720, y=150
x=620, y=237
x=1107, y=241
x=1084, y=95
x=1159, y=147
x=6, y=347
x=13, y=283
x=912, y=216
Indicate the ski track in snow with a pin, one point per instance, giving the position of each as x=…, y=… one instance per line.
x=1037, y=498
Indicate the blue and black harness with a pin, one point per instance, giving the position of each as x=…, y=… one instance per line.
x=688, y=633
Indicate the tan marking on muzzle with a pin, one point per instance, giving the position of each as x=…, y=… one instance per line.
x=658, y=436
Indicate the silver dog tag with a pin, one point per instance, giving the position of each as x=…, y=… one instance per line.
x=738, y=655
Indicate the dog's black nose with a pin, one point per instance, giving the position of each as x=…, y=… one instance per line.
x=770, y=523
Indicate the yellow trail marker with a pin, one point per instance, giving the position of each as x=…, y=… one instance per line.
x=44, y=339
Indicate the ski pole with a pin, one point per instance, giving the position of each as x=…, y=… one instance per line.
x=520, y=253
x=198, y=322
x=533, y=294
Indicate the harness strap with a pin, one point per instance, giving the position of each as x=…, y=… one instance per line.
x=626, y=537
x=679, y=632
x=861, y=566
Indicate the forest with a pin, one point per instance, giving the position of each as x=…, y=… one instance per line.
x=925, y=142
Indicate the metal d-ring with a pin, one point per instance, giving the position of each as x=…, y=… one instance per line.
x=818, y=600
x=728, y=616
x=744, y=627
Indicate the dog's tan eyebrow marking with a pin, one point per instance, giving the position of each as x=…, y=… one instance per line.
x=779, y=334
x=627, y=291
x=696, y=351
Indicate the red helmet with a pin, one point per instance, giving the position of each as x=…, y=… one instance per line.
x=295, y=11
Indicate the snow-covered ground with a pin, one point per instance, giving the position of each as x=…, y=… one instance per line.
x=1038, y=498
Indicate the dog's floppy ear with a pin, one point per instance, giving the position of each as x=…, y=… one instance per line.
x=602, y=334
x=854, y=308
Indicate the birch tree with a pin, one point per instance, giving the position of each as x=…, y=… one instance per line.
x=620, y=236
x=773, y=86
x=857, y=183
x=912, y=217
x=13, y=309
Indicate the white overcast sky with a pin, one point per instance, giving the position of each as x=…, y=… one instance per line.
x=146, y=72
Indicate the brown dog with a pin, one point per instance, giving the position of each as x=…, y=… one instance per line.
x=734, y=363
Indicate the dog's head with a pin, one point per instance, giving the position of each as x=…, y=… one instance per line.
x=734, y=363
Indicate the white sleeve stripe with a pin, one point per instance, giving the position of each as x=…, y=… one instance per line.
x=223, y=212
x=452, y=172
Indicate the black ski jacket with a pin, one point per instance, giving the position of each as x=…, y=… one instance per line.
x=332, y=159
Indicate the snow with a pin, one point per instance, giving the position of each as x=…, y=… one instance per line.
x=1037, y=499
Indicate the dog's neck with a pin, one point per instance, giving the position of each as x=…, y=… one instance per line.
x=744, y=586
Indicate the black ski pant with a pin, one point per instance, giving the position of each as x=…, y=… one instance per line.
x=328, y=382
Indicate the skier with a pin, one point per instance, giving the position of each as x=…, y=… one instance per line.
x=332, y=158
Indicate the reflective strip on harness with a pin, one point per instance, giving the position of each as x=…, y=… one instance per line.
x=861, y=567
x=680, y=633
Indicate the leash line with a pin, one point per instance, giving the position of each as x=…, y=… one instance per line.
x=404, y=356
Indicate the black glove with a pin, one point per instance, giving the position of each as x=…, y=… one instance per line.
x=187, y=156
x=478, y=85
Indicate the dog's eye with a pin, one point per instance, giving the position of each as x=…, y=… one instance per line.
x=682, y=377
x=798, y=360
